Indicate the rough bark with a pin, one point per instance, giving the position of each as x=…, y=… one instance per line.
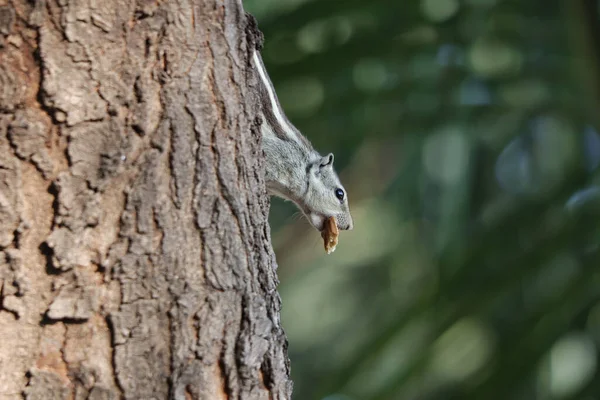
x=135, y=259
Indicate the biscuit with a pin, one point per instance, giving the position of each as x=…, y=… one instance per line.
x=330, y=235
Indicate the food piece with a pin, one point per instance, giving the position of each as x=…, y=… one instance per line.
x=330, y=235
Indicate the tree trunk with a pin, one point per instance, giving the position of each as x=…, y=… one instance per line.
x=135, y=258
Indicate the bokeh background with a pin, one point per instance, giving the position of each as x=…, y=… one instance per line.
x=465, y=132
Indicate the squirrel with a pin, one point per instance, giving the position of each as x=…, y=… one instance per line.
x=295, y=171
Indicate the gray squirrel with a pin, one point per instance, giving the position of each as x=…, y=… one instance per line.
x=295, y=171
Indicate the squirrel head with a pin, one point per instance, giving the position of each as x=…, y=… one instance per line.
x=325, y=196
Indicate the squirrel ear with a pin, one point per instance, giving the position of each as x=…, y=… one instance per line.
x=327, y=160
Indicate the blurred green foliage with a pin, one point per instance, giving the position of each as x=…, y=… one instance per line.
x=465, y=132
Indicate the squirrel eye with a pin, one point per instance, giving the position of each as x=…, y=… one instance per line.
x=339, y=193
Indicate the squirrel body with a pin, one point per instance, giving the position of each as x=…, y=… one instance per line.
x=295, y=171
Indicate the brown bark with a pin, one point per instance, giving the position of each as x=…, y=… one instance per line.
x=135, y=259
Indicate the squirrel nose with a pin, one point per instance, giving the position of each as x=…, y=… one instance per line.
x=350, y=225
